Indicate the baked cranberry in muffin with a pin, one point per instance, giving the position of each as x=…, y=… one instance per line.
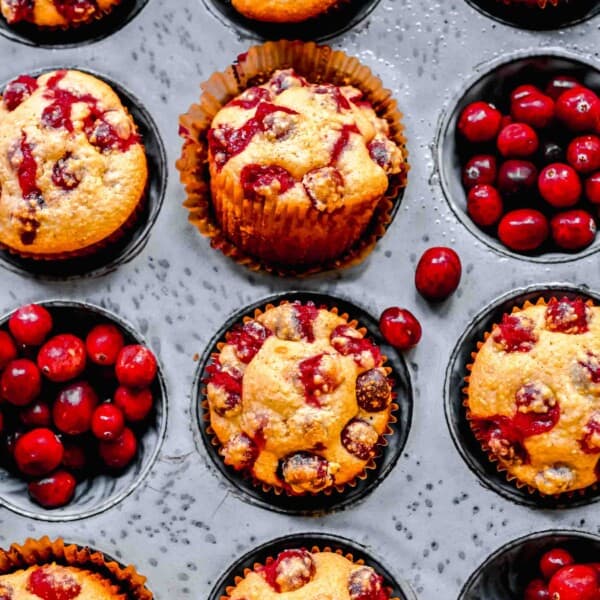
x=283, y=11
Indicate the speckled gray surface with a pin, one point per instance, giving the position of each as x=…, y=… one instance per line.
x=430, y=521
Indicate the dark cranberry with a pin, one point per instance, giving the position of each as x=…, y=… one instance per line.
x=135, y=404
x=373, y=391
x=516, y=176
x=74, y=456
x=136, y=366
x=567, y=316
x=573, y=229
x=480, y=169
x=537, y=590
x=583, y=154
x=479, y=122
x=53, y=583
x=21, y=382
x=484, y=205
x=592, y=188
x=559, y=84
x=360, y=439
x=108, y=422
x=515, y=334
x=535, y=109
x=8, y=349
x=18, y=90
x=53, y=491
x=537, y=410
x=523, y=230
x=400, y=328
x=559, y=185
x=551, y=152
x=62, y=358
x=260, y=181
x=553, y=560
x=438, y=273
x=365, y=584
x=30, y=325
x=62, y=176
x=517, y=140
x=579, y=109
x=248, y=339
x=117, y=454
x=304, y=471
x=574, y=582
x=523, y=91
x=73, y=409
x=103, y=344
x=37, y=414
x=38, y=452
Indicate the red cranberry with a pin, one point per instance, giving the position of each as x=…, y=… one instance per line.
x=365, y=584
x=53, y=583
x=592, y=188
x=480, y=169
x=523, y=230
x=18, y=90
x=537, y=590
x=8, y=349
x=516, y=176
x=559, y=185
x=579, y=109
x=583, y=154
x=574, y=582
x=515, y=334
x=136, y=366
x=38, y=452
x=400, y=328
x=360, y=439
x=551, y=152
x=480, y=122
x=535, y=109
x=305, y=470
x=248, y=339
x=438, y=273
x=567, y=316
x=573, y=229
x=117, y=454
x=484, y=205
x=560, y=84
x=103, y=344
x=21, y=382
x=36, y=415
x=108, y=422
x=292, y=570
x=74, y=457
x=135, y=404
x=553, y=560
x=73, y=409
x=523, y=91
x=30, y=325
x=517, y=140
x=53, y=491
x=350, y=342
x=62, y=358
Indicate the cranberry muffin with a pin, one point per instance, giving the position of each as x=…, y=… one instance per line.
x=55, y=13
x=304, y=575
x=533, y=395
x=299, y=399
x=283, y=11
x=73, y=168
x=297, y=169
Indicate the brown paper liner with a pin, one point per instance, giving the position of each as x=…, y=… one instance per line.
x=278, y=491
x=314, y=550
x=479, y=435
x=45, y=551
x=317, y=64
x=329, y=12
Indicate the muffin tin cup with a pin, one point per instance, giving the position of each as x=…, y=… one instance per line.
x=126, y=243
x=506, y=572
x=494, y=80
x=105, y=490
x=44, y=551
x=347, y=15
x=316, y=63
x=312, y=542
x=77, y=35
x=253, y=492
x=462, y=434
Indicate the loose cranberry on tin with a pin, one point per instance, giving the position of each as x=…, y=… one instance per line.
x=400, y=328
x=438, y=273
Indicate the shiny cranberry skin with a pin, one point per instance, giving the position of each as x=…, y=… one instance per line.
x=438, y=273
x=118, y=453
x=400, y=328
x=560, y=84
x=53, y=491
x=559, y=185
x=579, y=109
x=72, y=412
x=480, y=169
x=37, y=414
x=551, y=152
x=62, y=358
x=523, y=91
x=73, y=457
x=553, y=560
x=537, y=590
x=30, y=325
x=103, y=344
x=573, y=229
x=136, y=366
x=583, y=154
x=8, y=349
x=523, y=230
x=38, y=452
x=18, y=90
x=21, y=382
x=136, y=404
x=574, y=582
x=516, y=176
x=484, y=205
x=535, y=109
x=108, y=422
x=479, y=122
x=592, y=188
x=517, y=140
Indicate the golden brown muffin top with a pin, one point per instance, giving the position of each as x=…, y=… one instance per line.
x=55, y=13
x=534, y=394
x=299, y=398
x=283, y=11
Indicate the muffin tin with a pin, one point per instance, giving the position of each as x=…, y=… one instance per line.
x=430, y=519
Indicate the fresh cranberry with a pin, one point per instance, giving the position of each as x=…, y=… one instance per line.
x=551, y=152
x=516, y=177
x=136, y=366
x=8, y=349
x=73, y=409
x=108, y=422
x=559, y=185
x=38, y=452
x=21, y=382
x=37, y=414
x=30, y=325
x=523, y=91
x=535, y=109
x=18, y=90
x=554, y=560
x=480, y=122
x=74, y=456
x=400, y=328
x=517, y=140
x=574, y=582
x=579, y=109
x=515, y=334
x=567, y=316
x=135, y=404
x=438, y=273
x=592, y=188
x=560, y=84
x=537, y=590
x=53, y=583
x=373, y=391
x=117, y=454
x=62, y=358
x=484, y=205
x=583, y=154
x=573, y=229
x=480, y=169
x=53, y=491
x=103, y=344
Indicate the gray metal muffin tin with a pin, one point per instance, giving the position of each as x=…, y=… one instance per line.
x=430, y=522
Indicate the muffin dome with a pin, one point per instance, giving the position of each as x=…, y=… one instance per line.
x=283, y=11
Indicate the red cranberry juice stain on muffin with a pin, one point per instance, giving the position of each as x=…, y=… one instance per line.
x=76, y=10
x=348, y=342
x=305, y=315
x=248, y=340
x=56, y=585
x=315, y=379
x=18, y=90
x=515, y=334
x=255, y=177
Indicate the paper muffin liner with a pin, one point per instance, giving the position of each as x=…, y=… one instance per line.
x=328, y=12
x=503, y=470
x=541, y=3
x=277, y=490
x=44, y=551
x=317, y=64
x=313, y=549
